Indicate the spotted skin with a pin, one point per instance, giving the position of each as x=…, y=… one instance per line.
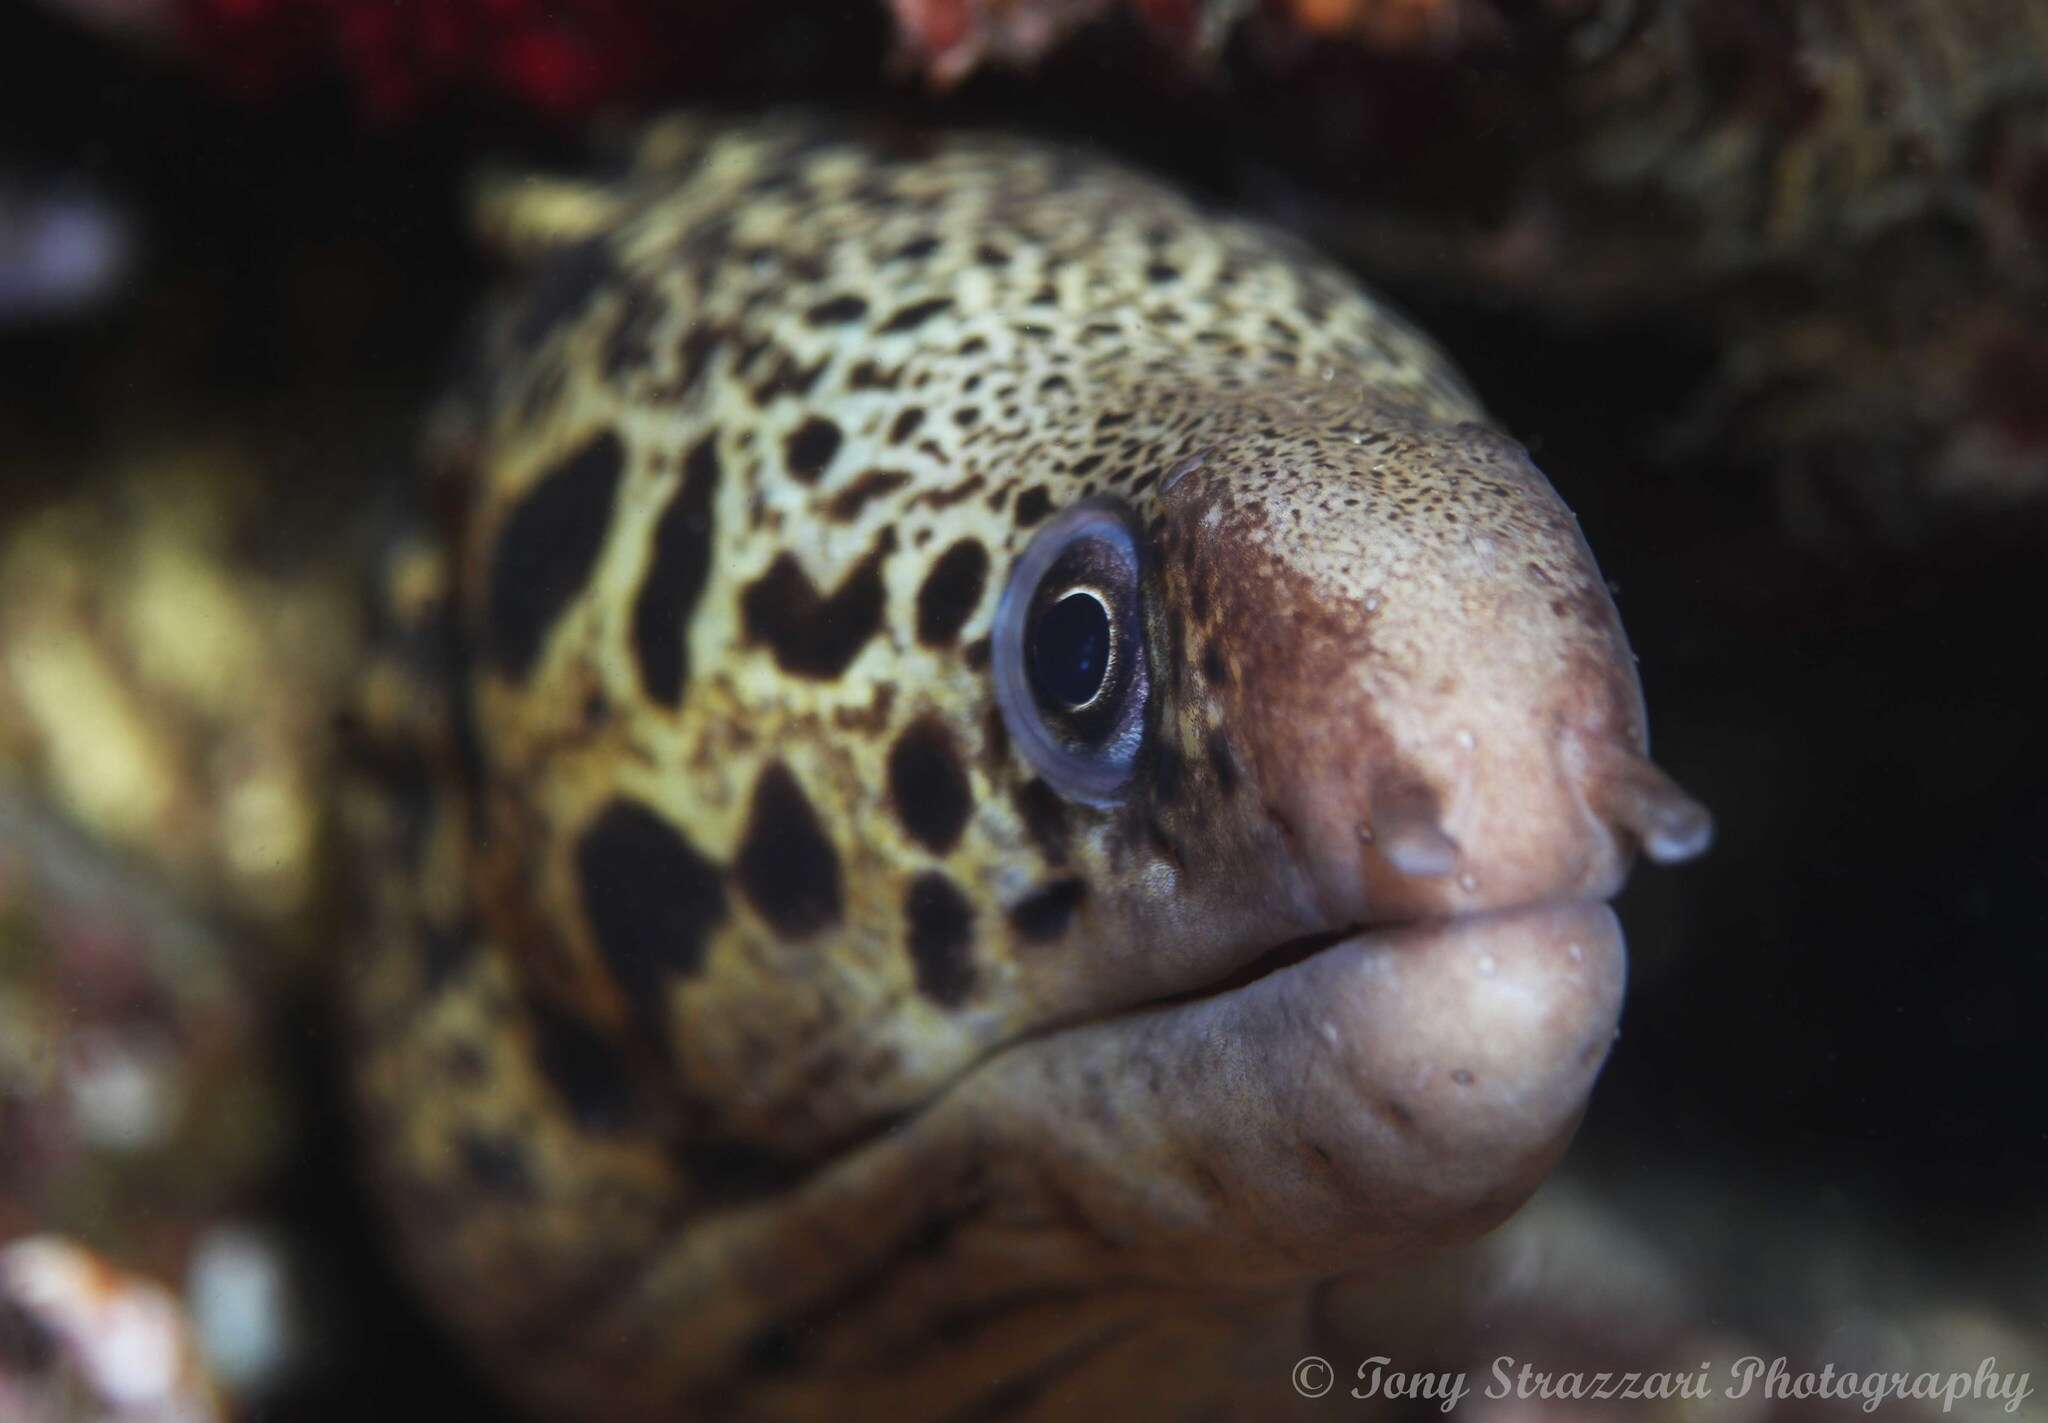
x=795, y=1049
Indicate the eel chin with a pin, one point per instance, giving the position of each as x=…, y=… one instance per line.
x=1461, y=1053
x=1403, y=1088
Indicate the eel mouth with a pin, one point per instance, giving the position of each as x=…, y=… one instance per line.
x=1484, y=1030
x=1347, y=1099
x=1474, y=1013
x=1528, y=989
x=1498, y=927
x=1432, y=1070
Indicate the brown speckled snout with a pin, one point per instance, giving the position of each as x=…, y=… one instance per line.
x=1430, y=686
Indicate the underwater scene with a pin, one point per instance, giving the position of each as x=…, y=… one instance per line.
x=1023, y=709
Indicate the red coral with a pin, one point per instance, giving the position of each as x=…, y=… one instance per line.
x=952, y=38
x=949, y=39
x=561, y=56
x=1392, y=25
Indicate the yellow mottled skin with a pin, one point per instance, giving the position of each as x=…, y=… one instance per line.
x=754, y=1026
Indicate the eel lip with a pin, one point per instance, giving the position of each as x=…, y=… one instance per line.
x=1389, y=933
x=1452, y=1058
x=1524, y=1001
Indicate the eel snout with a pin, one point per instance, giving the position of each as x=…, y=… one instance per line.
x=1604, y=800
x=1630, y=791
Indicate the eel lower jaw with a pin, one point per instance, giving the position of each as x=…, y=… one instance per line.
x=1376, y=1096
x=1427, y=1074
x=1379, y=1094
x=1487, y=1028
x=1490, y=1026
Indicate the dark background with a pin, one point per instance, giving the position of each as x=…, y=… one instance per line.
x=1839, y=1007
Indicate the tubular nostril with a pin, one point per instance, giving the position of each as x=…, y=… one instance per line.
x=1407, y=832
x=1628, y=789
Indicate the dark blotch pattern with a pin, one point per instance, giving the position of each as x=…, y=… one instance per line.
x=1167, y=772
x=1044, y=916
x=995, y=737
x=698, y=346
x=915, y=315
x=941, y=923
x=1222, y=763
x=496, y=1165
x=444, y=952
x=585, y=1069
x=1214, y=672
x=951, y=592
x=630, y=346
x=810, y=448
x=1163, y=844
x=928, y=786
x=547, y=549
x=869, y=376
x=872, y=484
x=787, y=377
x=905, y=425
x=811, y=634
x=675, y=579
x=837, y=311
x=1033, y=505
x=1045, y=818
x=466, y=745
x=786, y=868
x=652, y=902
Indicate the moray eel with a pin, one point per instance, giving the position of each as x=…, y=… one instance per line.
x=985, y=777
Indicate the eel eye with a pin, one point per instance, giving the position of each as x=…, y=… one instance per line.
x=1069, y=653
x=1069, y=644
